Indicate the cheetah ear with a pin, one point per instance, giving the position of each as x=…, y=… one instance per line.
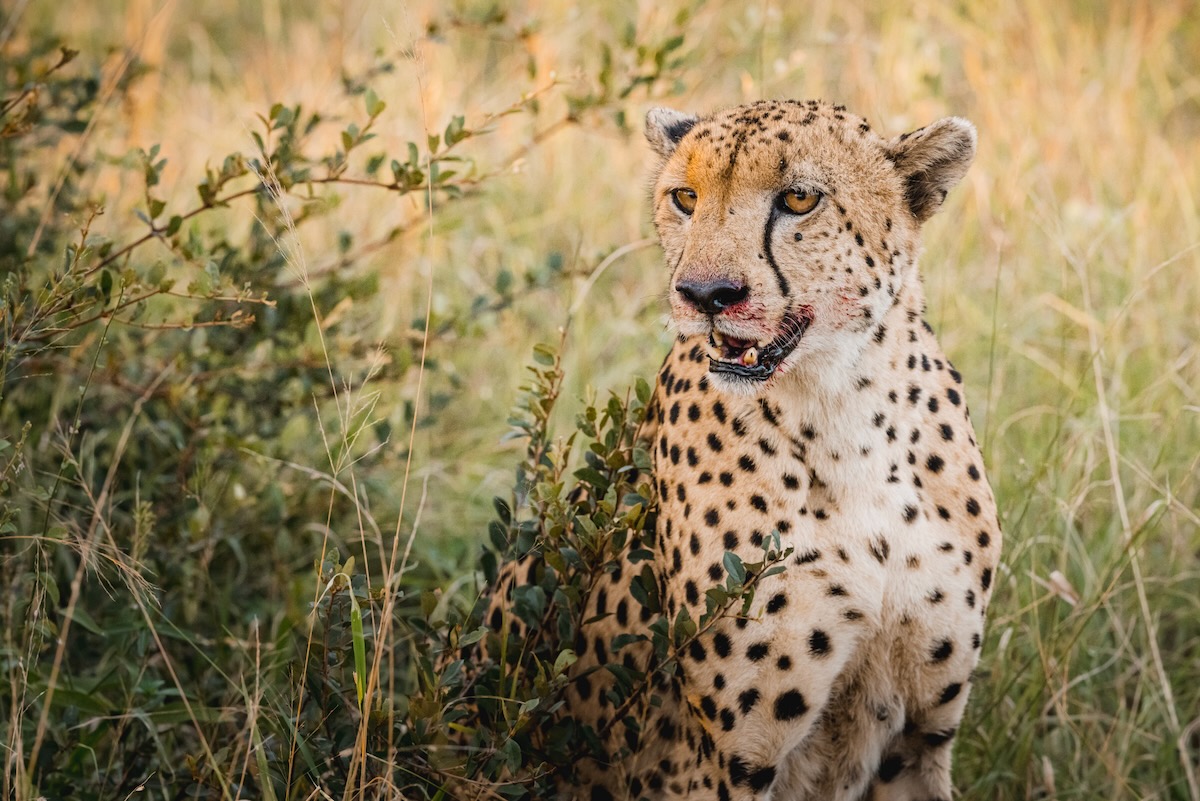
x=931, y=160
x=665, y=127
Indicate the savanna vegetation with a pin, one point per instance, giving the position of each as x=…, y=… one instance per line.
x=314, y=312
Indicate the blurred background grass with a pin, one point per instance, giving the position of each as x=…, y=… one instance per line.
x=1063, y=279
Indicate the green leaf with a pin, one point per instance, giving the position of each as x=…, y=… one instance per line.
x=472, y=637
x=511, y=752
x=455, y=132
x=734, y=567
x=543, y=354
x=564, y=660
x=375, y=106
x=360, y=652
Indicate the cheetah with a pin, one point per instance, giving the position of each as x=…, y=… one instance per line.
x=806, y=402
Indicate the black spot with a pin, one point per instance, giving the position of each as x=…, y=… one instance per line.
x=943, y=512
x=767, y=413
x=674, y=454
x=693, y=412
x=600, y=794
x=722, y=645
x=837, y=590
x=946, y=431
x=709, y=707
x=712, y=517
x=935, y=463
x=696, y=651
x=972, y=507
x=719, y=411
x=986, y=578
x=880, y=549
x=933, y=405
x=739, y=773
x=727, y=720
x=910, y=514
x=818, y=643
x=952, y=393
x=759, y=503
x=983, y=539
x=790, y=481
x=725, y=478
x=973, y=472
x=747, y=464
x=747, y=700
x=777, y=602
x=790, y=705
x=950, y=693
x=703, y=478
x=693, y=595
x=714, y=442
x=808, y=557
x=758, y=651
x=675, y=412
x=762, y=778
x=941, y=651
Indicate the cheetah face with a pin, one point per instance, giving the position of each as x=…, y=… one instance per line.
x=790, y=228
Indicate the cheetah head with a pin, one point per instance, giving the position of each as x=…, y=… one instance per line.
x=790, y=228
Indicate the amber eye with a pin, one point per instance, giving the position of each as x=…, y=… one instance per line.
x=685, y=200
x=797, y=201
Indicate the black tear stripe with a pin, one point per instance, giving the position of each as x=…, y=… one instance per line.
x=674, y=270
x=767, y=232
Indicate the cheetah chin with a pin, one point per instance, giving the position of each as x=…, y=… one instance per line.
x=749, y=361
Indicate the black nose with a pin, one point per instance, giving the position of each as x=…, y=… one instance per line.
x=712, y=297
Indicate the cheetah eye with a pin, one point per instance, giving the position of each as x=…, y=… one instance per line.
x=685, y=200
x=797, y=201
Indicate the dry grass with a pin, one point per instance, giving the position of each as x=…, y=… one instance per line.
x=1064, y=279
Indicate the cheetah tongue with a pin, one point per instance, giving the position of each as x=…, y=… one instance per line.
x=732, y=349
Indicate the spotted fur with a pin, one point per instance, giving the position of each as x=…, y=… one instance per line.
x=848, y=678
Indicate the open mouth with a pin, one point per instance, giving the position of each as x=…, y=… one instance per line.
x=746, y=358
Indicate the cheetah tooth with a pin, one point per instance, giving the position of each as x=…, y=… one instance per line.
x=750, y=357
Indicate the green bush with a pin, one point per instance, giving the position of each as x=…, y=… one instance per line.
x=179, y=613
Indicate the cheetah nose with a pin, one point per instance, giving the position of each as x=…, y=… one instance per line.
x=712, y=297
